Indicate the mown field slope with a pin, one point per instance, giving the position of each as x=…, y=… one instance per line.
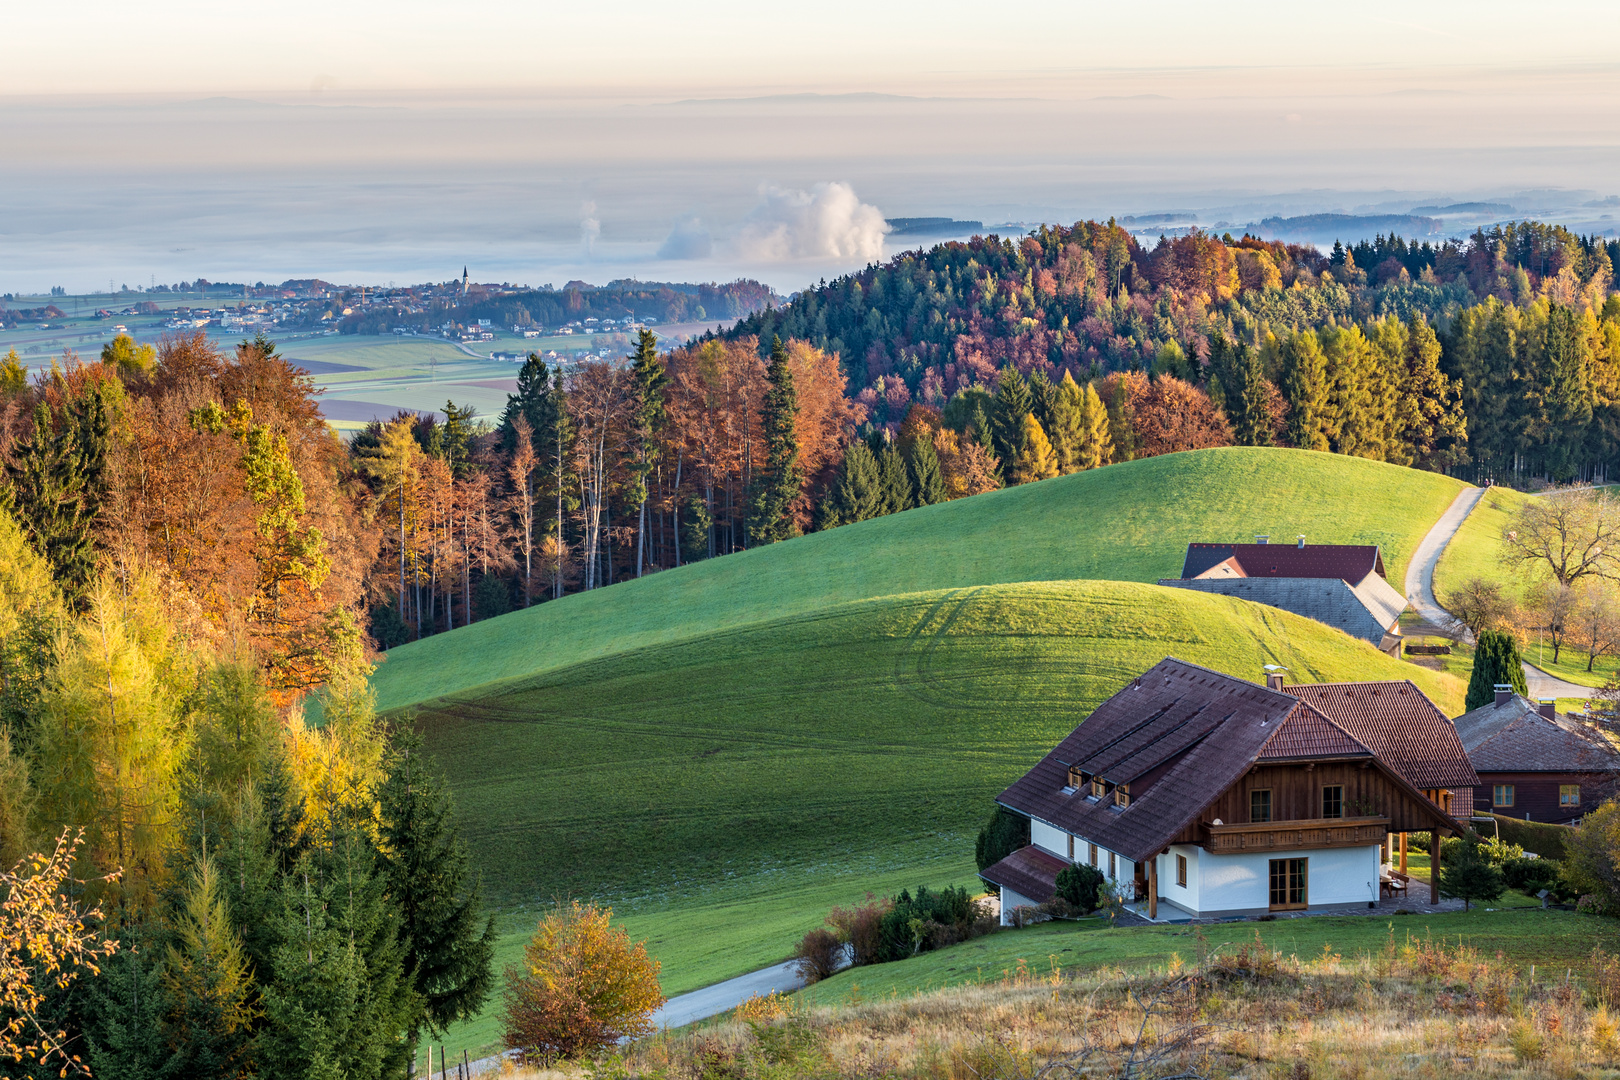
x=867, y=736
x=1128, y=522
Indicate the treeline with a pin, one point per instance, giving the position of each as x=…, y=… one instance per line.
x=183, y=553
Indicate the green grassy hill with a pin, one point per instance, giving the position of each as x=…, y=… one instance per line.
x=1128, y=522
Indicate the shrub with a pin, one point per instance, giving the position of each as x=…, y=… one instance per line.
x=1079, y=886
x=1493, y=850
x=861, y=928
x=581, y=987
x=1527, y=1043
x=1002, y=835
x=1467, y=873
x=1591, y=869
x=906, y=926
x=817, y=955
x=1530, y=876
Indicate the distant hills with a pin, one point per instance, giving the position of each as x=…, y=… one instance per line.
x=1326, y=228
x=932, y=226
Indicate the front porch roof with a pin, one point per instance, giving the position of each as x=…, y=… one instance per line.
x=1029, y=871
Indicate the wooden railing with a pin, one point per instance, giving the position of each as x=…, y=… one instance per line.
x=1295, y=835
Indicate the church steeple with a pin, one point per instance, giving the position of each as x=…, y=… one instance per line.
x=463, y=281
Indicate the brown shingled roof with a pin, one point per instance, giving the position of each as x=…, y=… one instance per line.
x=1398, y=724
x=1511, y=736
x=1308, y=734
x=1029, y=871
x=1348, y=562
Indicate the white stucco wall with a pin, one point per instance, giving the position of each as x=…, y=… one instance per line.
x=1242, y=881
x=1184, y=897
x=1048, y=838
x=1010, y=900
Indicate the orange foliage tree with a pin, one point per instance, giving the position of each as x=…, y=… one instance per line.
x=1169, y=414
x=45, y=945
x=582, y=986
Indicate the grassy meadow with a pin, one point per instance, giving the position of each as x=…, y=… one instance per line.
x=724, y=792
x=1128, y=522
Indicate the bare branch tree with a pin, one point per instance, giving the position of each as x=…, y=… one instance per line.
x=1570, y=534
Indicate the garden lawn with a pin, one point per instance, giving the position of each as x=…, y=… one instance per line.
x=1552, y=940
x=1127, y=522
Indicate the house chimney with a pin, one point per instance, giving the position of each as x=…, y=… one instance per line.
x=1503, y=692
x=1262, y=539
x=1274, y=680
x=1548, y=708
x=1300, y=541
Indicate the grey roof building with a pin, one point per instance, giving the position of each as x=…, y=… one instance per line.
x=1533, y=763
x=1341, y=585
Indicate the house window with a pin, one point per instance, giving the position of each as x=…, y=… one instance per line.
x=1288, y=884
x=1096, y=787
x=1333, y=801
x=1077, y=779
x=1181, y=870
x=1260, y=805
x=1569, y=794
x=1093, y=854
x=1122, y=795
x=1071, y=848
x=1113, y=869
x=1502, y=795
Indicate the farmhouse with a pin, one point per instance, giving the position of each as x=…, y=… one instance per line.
x=1534, y=764
x=1342, y=585
x=1221, y=797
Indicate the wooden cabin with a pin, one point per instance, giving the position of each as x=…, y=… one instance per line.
x=1534, y=764
x=1222, y=797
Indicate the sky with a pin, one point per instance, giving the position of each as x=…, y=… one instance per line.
x=543, y=142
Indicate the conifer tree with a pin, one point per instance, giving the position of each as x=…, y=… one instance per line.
x=1122, y=424
x=123, y=1009
x=210, y=990
x=1013, y=402
x=531, y=401
x=1248, y=408
x=1496, y=661
x=447, y=939
x=777, y=483
x=1566, y=398
x=58, y=486
x=1468, y=875
x=310, y=1007
x=1036, y=461
x=455, y=438
x=1431, y=430
x=856, y=493
x=1305, y=385
x=1095, y=446
x=1063, y=426
x=1043, y=396
x=894, y=481
x=927, y=483
x=647, y=419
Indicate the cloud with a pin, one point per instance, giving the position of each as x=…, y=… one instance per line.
x=689, y=239
x=828, y=221
x=589, y=227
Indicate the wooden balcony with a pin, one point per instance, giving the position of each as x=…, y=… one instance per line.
x=1297, y=835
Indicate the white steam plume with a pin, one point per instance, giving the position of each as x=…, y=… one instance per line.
x=589, y=227
x=828, y=221
x=689, y=239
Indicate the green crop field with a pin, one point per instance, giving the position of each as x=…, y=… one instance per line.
x=1127, y=522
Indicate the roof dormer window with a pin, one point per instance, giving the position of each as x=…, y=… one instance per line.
x=1122, y=796
x=1098, y=787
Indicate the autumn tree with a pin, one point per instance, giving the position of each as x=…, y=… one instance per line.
x=47, y=943
x=1305, y=385
x=1094, y=446
x=1595, y=622
x=1479, y=605
x=1036, y=460
x=1568, y=535
x=582, y=986
x=210, y=987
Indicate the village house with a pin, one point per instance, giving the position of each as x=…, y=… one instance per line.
x=1221, y=797
x=1534, y=764
x=1342, y=585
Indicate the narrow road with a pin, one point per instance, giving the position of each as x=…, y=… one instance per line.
x=1420, y=571
x=1420, y=592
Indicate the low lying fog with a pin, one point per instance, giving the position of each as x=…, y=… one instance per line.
x=787, y=188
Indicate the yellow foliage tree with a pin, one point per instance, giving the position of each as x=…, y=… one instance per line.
x=45, y=945
x=582, y=986
x=1095, y=446
x=1035, y=461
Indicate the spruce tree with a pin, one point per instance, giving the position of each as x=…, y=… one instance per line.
x=1305, y=385
x=777, y=483
x=447, y=939
x=927, y=485
x=647, y=419
x=894, y=480
x=58, y=486
x=121, y=1014
x=1122, y=424
x=1043, y=396
x=1248, y=409
x=455, y=439
x=310, y=1006
x=532, y=402
x=1496, y=661
x=1096, y=445
x=1013, y=402
x=1036, y=460
x=1063, y=427
x=856, y=493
